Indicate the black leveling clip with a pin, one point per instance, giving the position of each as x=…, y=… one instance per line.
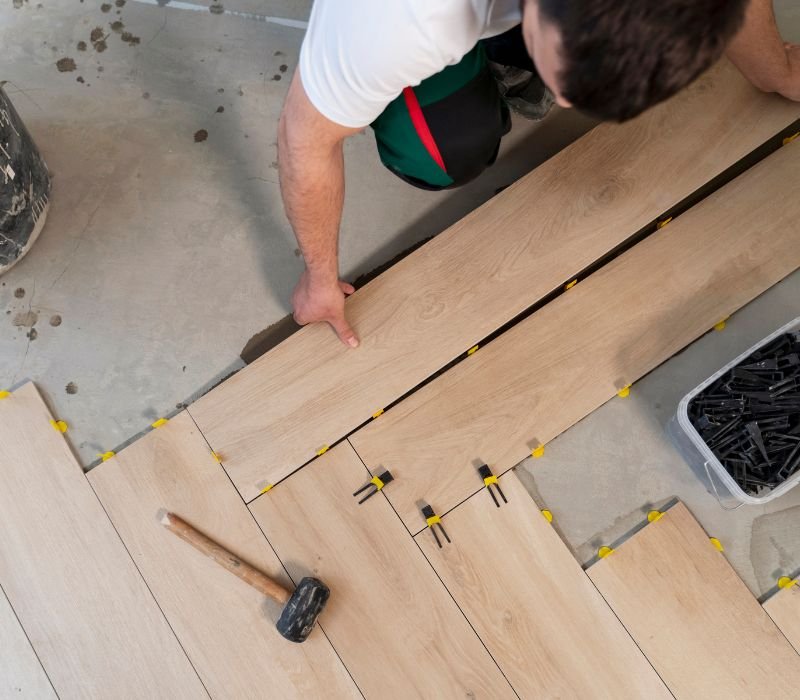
x=377, y=482
x=490, y=480
x=432, y=519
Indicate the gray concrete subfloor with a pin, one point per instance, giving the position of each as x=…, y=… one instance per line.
x=163, y=256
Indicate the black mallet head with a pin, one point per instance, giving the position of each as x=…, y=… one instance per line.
x=302, y=609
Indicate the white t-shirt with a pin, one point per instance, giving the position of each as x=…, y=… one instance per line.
x=358, y=55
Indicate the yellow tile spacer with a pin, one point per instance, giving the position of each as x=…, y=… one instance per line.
x=376, y=481
x=322, y=450
x=537, y=452
x=662, y=224
x=59, y=425
x=570, y=285
x=654, y=515
x=433, y=520
x=105, y=456
x=548, y=516
x=268, y=487
x=717, y=543
x=604, y=551
x=473, y=350
x=720, y=326
x=216, y=457
x=4, y=394
x=625, y=392
x=489, y=480
x=791, y=138
x=159, y=422
x=377, y=413
x=786, y=582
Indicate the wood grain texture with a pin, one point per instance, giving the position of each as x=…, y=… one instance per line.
x=226, y=627
x=396, y=628
x=274, y=415
x=533, y=606
x=568, y=358
x=692, y=616
x=21, y=674
x=87, y=612
x=784, y=609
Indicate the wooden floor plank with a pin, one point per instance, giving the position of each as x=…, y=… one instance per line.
x=784, y=609
x=309, y=391
x=575, y=353
x=533, y=606
x=86, y=610
x=226, y=627
x=394, y=625
x=692, y=616
x=21, y=674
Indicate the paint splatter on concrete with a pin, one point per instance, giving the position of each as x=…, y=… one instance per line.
x=19, y=293
x=81, y=46
x=117, y=26
x=200, y=135
x=283, y=68
x=65, y=65
x=220, y=90
x=146, y=95
x=120, y=3
x=216, y=8
x=220, y=109
x=25, y=319
x=32, y=334
x=80, y=79
x=98, y=39
x=71, y=388
x=130, y=39
x=277, y=76
x=55, y=320
x=105, y=7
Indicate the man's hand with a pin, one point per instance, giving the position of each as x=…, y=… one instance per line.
x=316, y=300
x=792, y=88
x=762, y=56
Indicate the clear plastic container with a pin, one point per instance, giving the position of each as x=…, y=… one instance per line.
x=700, y=457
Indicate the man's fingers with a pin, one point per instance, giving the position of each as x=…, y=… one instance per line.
x=344, y=331
x=346, y=287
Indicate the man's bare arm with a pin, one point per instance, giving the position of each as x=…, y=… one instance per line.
x=760, y=53
x=311, y=166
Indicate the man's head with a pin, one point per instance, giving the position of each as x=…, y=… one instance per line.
x=615, y=58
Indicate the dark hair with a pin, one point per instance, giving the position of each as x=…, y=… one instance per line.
x=623, y=56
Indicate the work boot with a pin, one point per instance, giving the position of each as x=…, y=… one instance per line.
x=24, y=187
x=523, y=91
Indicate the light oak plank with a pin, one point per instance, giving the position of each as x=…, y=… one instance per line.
x=692, y=616
x=784, y=609
x=226, y=627
x=533, y=606
x=309, y=391
x=575, y=353
x=21, y=674
x=394, y=625
x=88, y=614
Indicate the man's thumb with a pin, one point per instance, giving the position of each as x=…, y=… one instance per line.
x=344, y=331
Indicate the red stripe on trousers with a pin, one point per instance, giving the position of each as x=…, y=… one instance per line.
x=421, y=127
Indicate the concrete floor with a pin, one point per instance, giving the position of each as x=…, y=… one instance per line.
x=164, y=256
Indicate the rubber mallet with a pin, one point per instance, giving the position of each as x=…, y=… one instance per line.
x=300, y=609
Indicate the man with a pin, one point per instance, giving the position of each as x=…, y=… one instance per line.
x=420, y=72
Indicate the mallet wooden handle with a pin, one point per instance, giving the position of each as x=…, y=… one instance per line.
x=213, y=550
